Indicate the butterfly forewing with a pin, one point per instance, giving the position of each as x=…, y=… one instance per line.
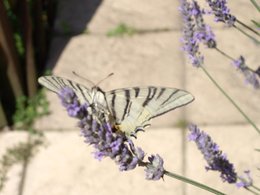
x=55, y=84
x=132, y=108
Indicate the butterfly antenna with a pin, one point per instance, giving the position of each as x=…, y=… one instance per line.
x=76, y=74
x=111, y=74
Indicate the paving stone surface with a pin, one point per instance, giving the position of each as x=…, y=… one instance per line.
x=238, y=142
x=9, y=140
x=66, y=166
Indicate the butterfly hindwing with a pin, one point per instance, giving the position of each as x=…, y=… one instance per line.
x=134, y=107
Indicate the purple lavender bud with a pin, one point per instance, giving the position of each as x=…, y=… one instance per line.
x=190, y=42
x=106, y=142
x=155, y=170
x=195, y=31
x=70, y=102
x=221, y=12
x=250, y=76
x=217, y=161
x=245, y=180
x=203, y=32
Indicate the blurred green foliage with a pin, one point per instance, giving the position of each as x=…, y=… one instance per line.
x=16, y=27
x=29, y=109
x=121, y=30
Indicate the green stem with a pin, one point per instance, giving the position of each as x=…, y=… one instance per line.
x=248, y=27
x=258, y=189
x=224, y=54
x=248, y=35
x=192, y=182
x=255, y=4
x=230, y=99
x=231, y=58
x=252, y=191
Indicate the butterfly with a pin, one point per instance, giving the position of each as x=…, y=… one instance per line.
x=131, y=109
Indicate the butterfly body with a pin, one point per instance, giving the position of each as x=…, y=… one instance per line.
x=128, y=109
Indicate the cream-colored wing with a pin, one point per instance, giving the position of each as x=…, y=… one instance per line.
x=133, y=108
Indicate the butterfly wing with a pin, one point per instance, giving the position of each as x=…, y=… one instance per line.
x=133, y=108
x=55, y=84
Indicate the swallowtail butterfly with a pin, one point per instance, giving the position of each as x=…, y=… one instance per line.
x=131, y=109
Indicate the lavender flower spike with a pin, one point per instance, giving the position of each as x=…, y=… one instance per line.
x=155, y=171
x=245, y=180
x=203, y=32
x=107, y=141
x=217, y=161
x=250, y=76
x=195, y=31
x=190, y=42
x=221, y=12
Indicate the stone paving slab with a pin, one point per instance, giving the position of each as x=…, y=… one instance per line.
x=101, y=16
x=8, y=140
x=66, y=166
x=210, y=106
x=150, y=60
x=239, y=143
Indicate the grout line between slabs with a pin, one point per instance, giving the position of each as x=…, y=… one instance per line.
x=184, y=118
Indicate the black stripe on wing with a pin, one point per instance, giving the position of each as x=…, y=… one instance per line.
x=127, y=98
x=55, y=84
x=161, y=92
x=137, y=90
x=170, y=96
x=113, y=105
x=150, y=95
x=50, y=83
x=189, y=99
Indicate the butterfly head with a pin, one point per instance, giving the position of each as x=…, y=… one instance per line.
x=98, y=98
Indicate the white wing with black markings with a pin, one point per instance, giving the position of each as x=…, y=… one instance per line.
x=130, y=108
x=133, y=108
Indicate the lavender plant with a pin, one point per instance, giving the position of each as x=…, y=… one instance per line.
x=110, y=142
x=195, y=33
x=217, y=160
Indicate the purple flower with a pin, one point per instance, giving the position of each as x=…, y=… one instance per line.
x=250, y=76
x=217, y=161
x=245, y=180
x=155, y=171
x=203, y=32
x=107, y=141
x=195, y=31
x=69, y=101
x=221, y=12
